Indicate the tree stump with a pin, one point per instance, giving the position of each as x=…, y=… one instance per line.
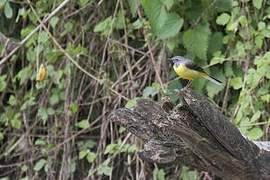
x=196, y=134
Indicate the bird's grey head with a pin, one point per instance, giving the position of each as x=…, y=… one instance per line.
x=176, y=60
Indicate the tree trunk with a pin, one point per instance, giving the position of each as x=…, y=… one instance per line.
x=196, y=134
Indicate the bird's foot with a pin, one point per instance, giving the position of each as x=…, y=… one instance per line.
x=188, y=85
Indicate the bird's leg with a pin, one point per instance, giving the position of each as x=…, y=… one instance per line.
x=188, y=85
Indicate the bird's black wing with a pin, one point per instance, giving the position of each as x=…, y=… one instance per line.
x=191, y=65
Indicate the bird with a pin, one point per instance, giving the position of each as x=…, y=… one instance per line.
x=188, y=70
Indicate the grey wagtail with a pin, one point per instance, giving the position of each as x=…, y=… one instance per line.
x=186, y=69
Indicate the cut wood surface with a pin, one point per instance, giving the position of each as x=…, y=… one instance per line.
x=196, y=134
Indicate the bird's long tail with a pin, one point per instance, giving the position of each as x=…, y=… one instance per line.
x=214, y=80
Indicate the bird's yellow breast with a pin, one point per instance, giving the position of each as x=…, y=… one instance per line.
x=185, y=73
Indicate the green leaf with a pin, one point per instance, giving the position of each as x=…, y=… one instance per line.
x=232, y=25
x=40, y=164
x=255, y=133
x=12, y=100
x=257, y=3
x=172, y=89
x=25, y=31
x=171, y=27
x=159, y=174
x=212, y=89
x=253, y=78
x=1, y=136
x=243, y=20
x=119, y=22
x=196, y=40
x=256, y=116
x=261, y=25
x=43, y=37
x=54, y=99
x=236, y=82
x=259, y=41
x=229, y=69
x=187, y=174
x=265, y=98
x=42, y=113
x=21, y=13
x=53, y=22
x=52, y=56
x=163, y=24
x=16, y=122
x=131, y=103
x=137, y=24
x=24, y=74
x=2, y=3
x=83, y=154
x=172, y=43
x=3, y=83
x=87, y=144
x=222, y=5
x=4, y=178
x=122, y=129
x=217, y=59
x=215, y=44
x=194, y=11
x=68, y=27
x=74, y=107
x=83, y=124
x=168, y=3
x=104, y=26
x=40, y=142
x=24, y=168
x=29, y=101
x=50, y=111
x=111, y=148
x=133, y=5
x=132, y=148
x=223, y=19
x=75, y=51
x=150, y=91
x=104, y=169
x=91, y=157
x=154, y=10
x=8, y=10
x=82, y=3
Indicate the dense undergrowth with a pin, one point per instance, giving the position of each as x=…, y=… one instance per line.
x=85, y=58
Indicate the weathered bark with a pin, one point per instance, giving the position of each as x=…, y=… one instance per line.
x=196, y=134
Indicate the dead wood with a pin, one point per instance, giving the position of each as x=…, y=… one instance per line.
x=196, y=134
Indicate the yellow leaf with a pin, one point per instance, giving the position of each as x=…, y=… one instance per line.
x=42, y=73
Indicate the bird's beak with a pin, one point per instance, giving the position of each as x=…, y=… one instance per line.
x=170, y=60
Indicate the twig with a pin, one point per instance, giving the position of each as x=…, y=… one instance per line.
x=6, y=58
x=225, y=99
x=152, y=56
x=71, y=59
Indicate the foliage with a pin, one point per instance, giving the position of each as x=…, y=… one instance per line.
x=188, y=174
x=163, y=23
x=196, y=40
x=91, y=57
x=158, y=174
